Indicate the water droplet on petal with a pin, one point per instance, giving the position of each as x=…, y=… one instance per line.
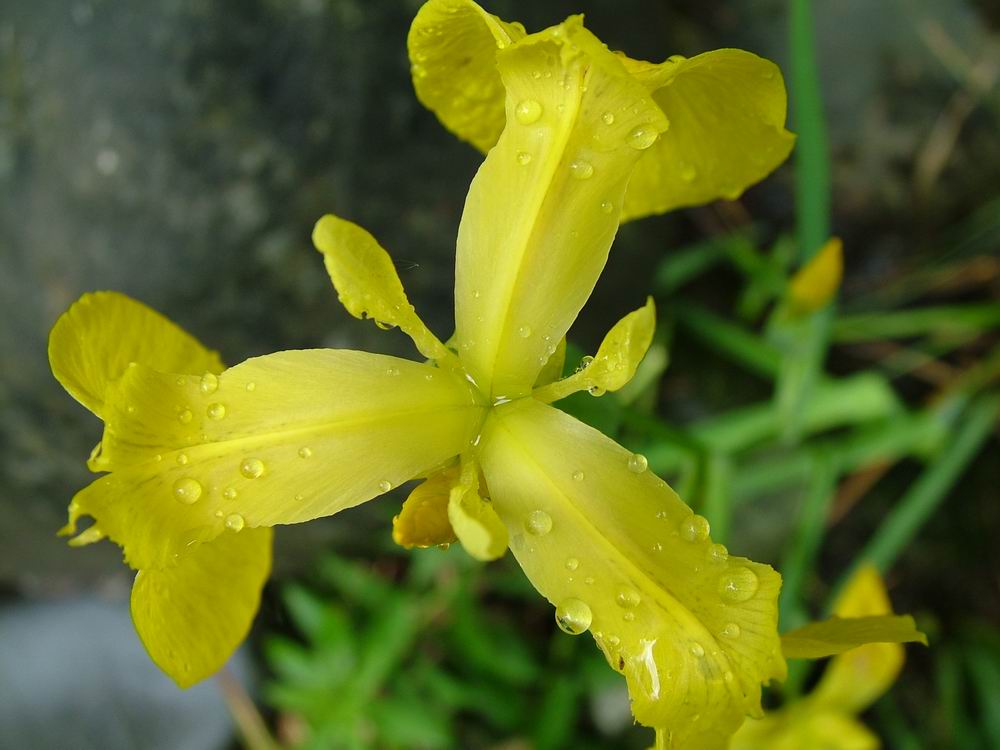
x=252, y=468
x=229, y=493
x=730, y=630
x=182, y=459
x=538, y=523
x=578, y=476
x=642, y=137
x=573, y=616
x=524, y=332
x=697, y=650
x=628, y=616
x=305, y=452
x=385, y=485
x=718, y=553
x=392, y=372
x=185, y=416
x=581, y=170
x=528, y=111
x=251, y=386
x=637, y=463
x=235, y=522
x=596, y=391
x=187, y=490
x=695, y=528
x=608, y=118
x=216, y=411
x=738, y=585
x=209, y=383
x=607, y=206
x=628, y=598
x=523, y=158
x=572, y=563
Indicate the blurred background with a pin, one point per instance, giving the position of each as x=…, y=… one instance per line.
x=179, y=151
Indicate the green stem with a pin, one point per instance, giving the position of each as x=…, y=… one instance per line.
x=931, y=488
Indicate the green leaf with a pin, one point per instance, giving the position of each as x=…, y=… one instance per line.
x=839, y=634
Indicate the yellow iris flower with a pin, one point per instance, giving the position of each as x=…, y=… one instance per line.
x=202, y=460
x=851, y=682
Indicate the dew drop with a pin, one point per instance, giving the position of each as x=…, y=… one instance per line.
x=729, y=677
x=584, y=363
x=589, y=580
x=218, y=514
x=657, y=547
x=182, y=459
x=476, y=294
x=628, y=616
x=180, y=380
x=596, y=391
x=185, y=416
x=229, y=493
x=528, y=111
x=300, y=498
x=158, y=458
x=235, y=522
x=607, y=206
x=216, y=411
x=187, y=490
x=385, y=485
x=524, y=332
x=523, y=158
x=573, y=616
x=578, y=476
x=209, y=383
x=697, y=650
x=695, y=528
x=637, y=463
x=730, y=630
x=392, y=372
x=538, y=523
x=251, y=386
x=608, y=118
x=305, y=452
x=628, y=598
x=642, y=137
x=738, y=585
x=252, y=468
x=661, y=514
x=581, y=170
x=718, y=553
x=572, y=563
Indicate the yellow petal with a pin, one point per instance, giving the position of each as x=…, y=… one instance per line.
x=95, y=340
x=543, y=208
x=367, y=282
x=804, y=729
x=814, y=285
x=423, y=519
x=277, y=439
x=837, y=635
x=614, y=549
x=856, y=679
x=616, y=360
x=453, y=45
x=727, y=130
x=192, y=616
x=553, y=369
x=477, y=525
